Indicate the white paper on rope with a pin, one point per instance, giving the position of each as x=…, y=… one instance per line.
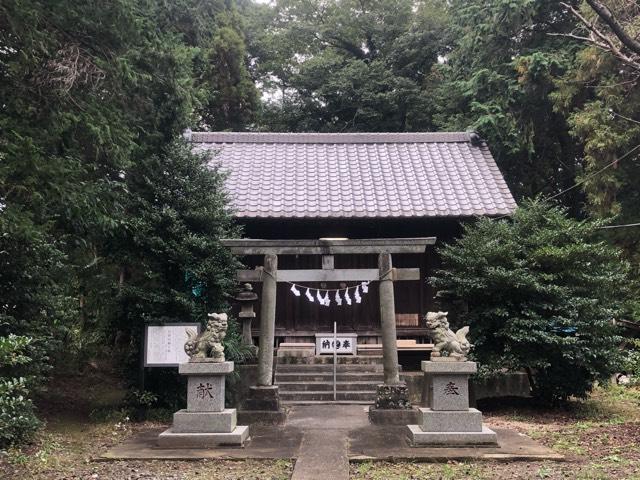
x=341, y=295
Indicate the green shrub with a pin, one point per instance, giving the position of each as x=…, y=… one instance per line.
x=631, y=360
x=18, y=422
x=234, y=349
x=541, y=293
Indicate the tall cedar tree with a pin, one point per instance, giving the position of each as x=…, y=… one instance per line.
x=171, y=264
x=600, y=96
x=93, y=95
x=499, y=80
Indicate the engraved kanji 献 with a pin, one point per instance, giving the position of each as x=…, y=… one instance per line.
x=204, y=390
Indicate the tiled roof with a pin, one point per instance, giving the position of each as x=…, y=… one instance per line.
x=357, y=175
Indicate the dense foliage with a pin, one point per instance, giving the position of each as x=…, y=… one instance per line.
x=18, y=422
x=347, y=65
x=107, y=220
x=600, y=97
x=170, y=263
x=530, y=139
x=541, y=292
x=631, y=361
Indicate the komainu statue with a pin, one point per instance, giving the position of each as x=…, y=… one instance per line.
x=208, y=345
x=455, y=345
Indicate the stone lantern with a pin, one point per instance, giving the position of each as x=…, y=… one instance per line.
x=246, y=298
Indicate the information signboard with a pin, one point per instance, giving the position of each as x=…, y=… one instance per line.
x=164, y=344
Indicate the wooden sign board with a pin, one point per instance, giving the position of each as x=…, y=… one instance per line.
x=346, y=343
x=164, y=344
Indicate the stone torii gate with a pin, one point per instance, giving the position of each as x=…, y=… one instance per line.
x=269, y=275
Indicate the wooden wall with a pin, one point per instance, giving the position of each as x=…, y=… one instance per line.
x=297, y=317
x=298, y=320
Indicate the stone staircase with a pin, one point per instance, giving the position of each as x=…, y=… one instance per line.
x=310, y=380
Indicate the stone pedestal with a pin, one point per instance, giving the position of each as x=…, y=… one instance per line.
x=262, y=406
x=449, y=421
x=263, y=398
x=383, y=416
x=392, y=405
x=205, y=422
x=393, y=397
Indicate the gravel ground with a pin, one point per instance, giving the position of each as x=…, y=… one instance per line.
x=83, y=420
x=65, y=451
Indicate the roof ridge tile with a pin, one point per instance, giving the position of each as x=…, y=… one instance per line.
x=330, y=138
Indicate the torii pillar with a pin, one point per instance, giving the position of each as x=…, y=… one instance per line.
x=393, y=394
x=267, y=320
x=388, y=320
x=264, y=397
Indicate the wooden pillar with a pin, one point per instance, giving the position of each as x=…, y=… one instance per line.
x=267, y=321
x=388, y=320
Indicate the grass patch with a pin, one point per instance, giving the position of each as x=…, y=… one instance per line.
x=613, y=404
x=412, y=470
x=84, y=417
x=566, y=443
x=599, y=435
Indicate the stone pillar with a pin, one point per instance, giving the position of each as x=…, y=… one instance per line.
x=263, y=401
x=267, y=321
x=205, y=422
x=393, y=394
x=449, y=421
x=388, y=320
x=246, y=327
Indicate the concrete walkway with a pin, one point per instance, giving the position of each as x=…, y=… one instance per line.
x=324, y=453
x=323, y=439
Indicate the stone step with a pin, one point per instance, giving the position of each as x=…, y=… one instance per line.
x=328, y=396
x=327, y=368
x=328, y=359
x=419, y=437
x=326, y=402
x=328, y=377
x=327, y=386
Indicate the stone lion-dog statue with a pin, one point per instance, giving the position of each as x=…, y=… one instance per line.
x=445, y=341
x=208, y=345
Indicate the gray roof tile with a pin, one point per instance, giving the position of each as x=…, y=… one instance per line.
x=306, y=175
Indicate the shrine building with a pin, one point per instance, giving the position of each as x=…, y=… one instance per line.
x=357, y=215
